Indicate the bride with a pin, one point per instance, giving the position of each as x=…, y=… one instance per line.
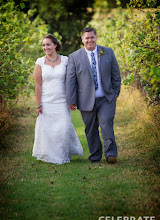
x=56, y=140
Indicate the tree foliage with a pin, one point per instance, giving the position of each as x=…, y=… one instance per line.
x=67, y=17
x=114, y=3
x=20, y=43
x=135, y=37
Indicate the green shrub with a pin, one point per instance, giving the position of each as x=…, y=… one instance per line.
x=134, y=37
x=20, y=45
x=20, y=41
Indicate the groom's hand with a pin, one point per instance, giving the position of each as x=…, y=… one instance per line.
x=73, y=107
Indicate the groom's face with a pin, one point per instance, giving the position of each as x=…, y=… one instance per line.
x=89, y=40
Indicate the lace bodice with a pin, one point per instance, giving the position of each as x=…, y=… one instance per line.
x=53, y=81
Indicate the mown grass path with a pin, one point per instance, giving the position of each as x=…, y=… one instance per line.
x=34, y=190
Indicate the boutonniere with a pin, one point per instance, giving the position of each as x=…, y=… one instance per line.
x=101, y=52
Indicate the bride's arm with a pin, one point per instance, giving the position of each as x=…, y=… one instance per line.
x=38, y=87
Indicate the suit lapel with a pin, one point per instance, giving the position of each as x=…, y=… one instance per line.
x=86, y=61
x=99, y=60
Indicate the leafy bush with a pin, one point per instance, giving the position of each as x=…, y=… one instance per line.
x=67, y=17
x=20, y=44
x=134, y=37
x=20, y=41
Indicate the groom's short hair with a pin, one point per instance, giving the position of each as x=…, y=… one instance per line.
x=89, y=29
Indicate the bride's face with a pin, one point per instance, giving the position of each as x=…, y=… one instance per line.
x=49, y=47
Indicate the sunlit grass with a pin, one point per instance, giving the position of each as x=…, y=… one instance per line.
x=32, y=189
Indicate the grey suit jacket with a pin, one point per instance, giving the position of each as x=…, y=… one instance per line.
x=80, y=88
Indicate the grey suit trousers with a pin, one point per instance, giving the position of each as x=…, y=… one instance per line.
x=102, y=115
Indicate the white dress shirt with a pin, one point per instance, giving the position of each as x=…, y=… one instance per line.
x=99, y=92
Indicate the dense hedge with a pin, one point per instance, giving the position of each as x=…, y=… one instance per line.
x=20, y=43
x=134, y=36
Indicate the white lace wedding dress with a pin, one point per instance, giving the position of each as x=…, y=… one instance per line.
x=56, y=140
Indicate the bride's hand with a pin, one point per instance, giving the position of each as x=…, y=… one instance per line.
x=39, y=110
x=73, y=107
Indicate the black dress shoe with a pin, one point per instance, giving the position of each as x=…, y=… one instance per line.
x=111, y=159
x=95, y=161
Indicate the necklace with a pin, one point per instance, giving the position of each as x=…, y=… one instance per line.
x=52, y=60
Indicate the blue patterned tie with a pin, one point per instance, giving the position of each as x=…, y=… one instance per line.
x=94, y=70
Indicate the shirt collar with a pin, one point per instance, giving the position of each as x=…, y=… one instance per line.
x=89, y=52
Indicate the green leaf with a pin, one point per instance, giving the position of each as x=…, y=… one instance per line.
x=22, y=5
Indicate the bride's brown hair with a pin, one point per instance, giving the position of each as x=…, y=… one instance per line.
x=54, y=40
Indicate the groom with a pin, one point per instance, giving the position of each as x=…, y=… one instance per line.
x=93, y=85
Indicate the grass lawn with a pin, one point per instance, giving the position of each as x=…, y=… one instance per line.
x=35, y=190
